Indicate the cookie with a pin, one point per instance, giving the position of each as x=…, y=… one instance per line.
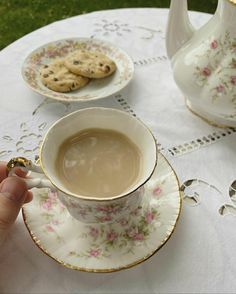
x=90, y=64
x=57, y=77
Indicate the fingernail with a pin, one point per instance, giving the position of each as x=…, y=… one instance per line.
x=14, y=189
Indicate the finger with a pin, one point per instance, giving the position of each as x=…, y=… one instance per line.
x=3, y=171
x=20, y=172
x=13, y=192
x=29, y=197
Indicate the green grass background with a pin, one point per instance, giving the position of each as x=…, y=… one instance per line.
x=19, y=17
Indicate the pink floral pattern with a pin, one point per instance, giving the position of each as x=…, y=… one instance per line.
x=49, y=228
x=202, y=74
x=48, y=202
x=136, y=227
x=108, y=208
x=51, y=200
x=233, y=63
x=105, y=218
x=94, y=252
x=111, y=236
x=217, y=50
x=149, y=217
x=206, y=71
x=123, y=222
x=94, y=232
x=157, y=191
x=233, y=80
x=214, y=44
x=88, y=211
x=138, y=237
x=220, y=89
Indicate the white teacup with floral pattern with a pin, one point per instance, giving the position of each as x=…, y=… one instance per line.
x=84, y=208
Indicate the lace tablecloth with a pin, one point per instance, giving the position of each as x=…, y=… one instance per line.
x=200, y=255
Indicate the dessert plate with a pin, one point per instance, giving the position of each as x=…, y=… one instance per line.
x=96, y=88
x=107, y=247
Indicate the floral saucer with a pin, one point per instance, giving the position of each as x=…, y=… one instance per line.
x=110, y=247
x=96, y=88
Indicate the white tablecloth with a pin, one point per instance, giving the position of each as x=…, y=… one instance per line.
x=199, y=257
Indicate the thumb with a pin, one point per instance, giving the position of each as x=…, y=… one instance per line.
x=13, y=193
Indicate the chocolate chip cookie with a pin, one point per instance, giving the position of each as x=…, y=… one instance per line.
x=57, y=77
x=90, y=64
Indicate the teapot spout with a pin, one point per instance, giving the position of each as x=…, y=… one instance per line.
x=179, y=28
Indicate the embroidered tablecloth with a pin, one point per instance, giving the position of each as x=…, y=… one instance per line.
x=199, y=257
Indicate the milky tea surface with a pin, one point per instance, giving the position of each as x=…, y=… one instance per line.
x=98, y=163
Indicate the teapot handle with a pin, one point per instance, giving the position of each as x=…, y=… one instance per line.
x=39, y=181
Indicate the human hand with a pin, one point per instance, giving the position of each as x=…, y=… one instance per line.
x=13, y=194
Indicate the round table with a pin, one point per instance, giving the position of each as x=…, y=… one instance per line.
x=199, y=257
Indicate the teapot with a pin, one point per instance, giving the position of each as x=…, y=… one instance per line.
x=204, y=61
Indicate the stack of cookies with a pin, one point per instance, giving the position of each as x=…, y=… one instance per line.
x=75, y=70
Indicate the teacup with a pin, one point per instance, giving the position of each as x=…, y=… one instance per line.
x=93, y=209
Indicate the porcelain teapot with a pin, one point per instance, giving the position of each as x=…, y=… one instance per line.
x=204, y=61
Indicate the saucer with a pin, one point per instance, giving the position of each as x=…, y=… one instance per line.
x=96, y=88
x=110, y=247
